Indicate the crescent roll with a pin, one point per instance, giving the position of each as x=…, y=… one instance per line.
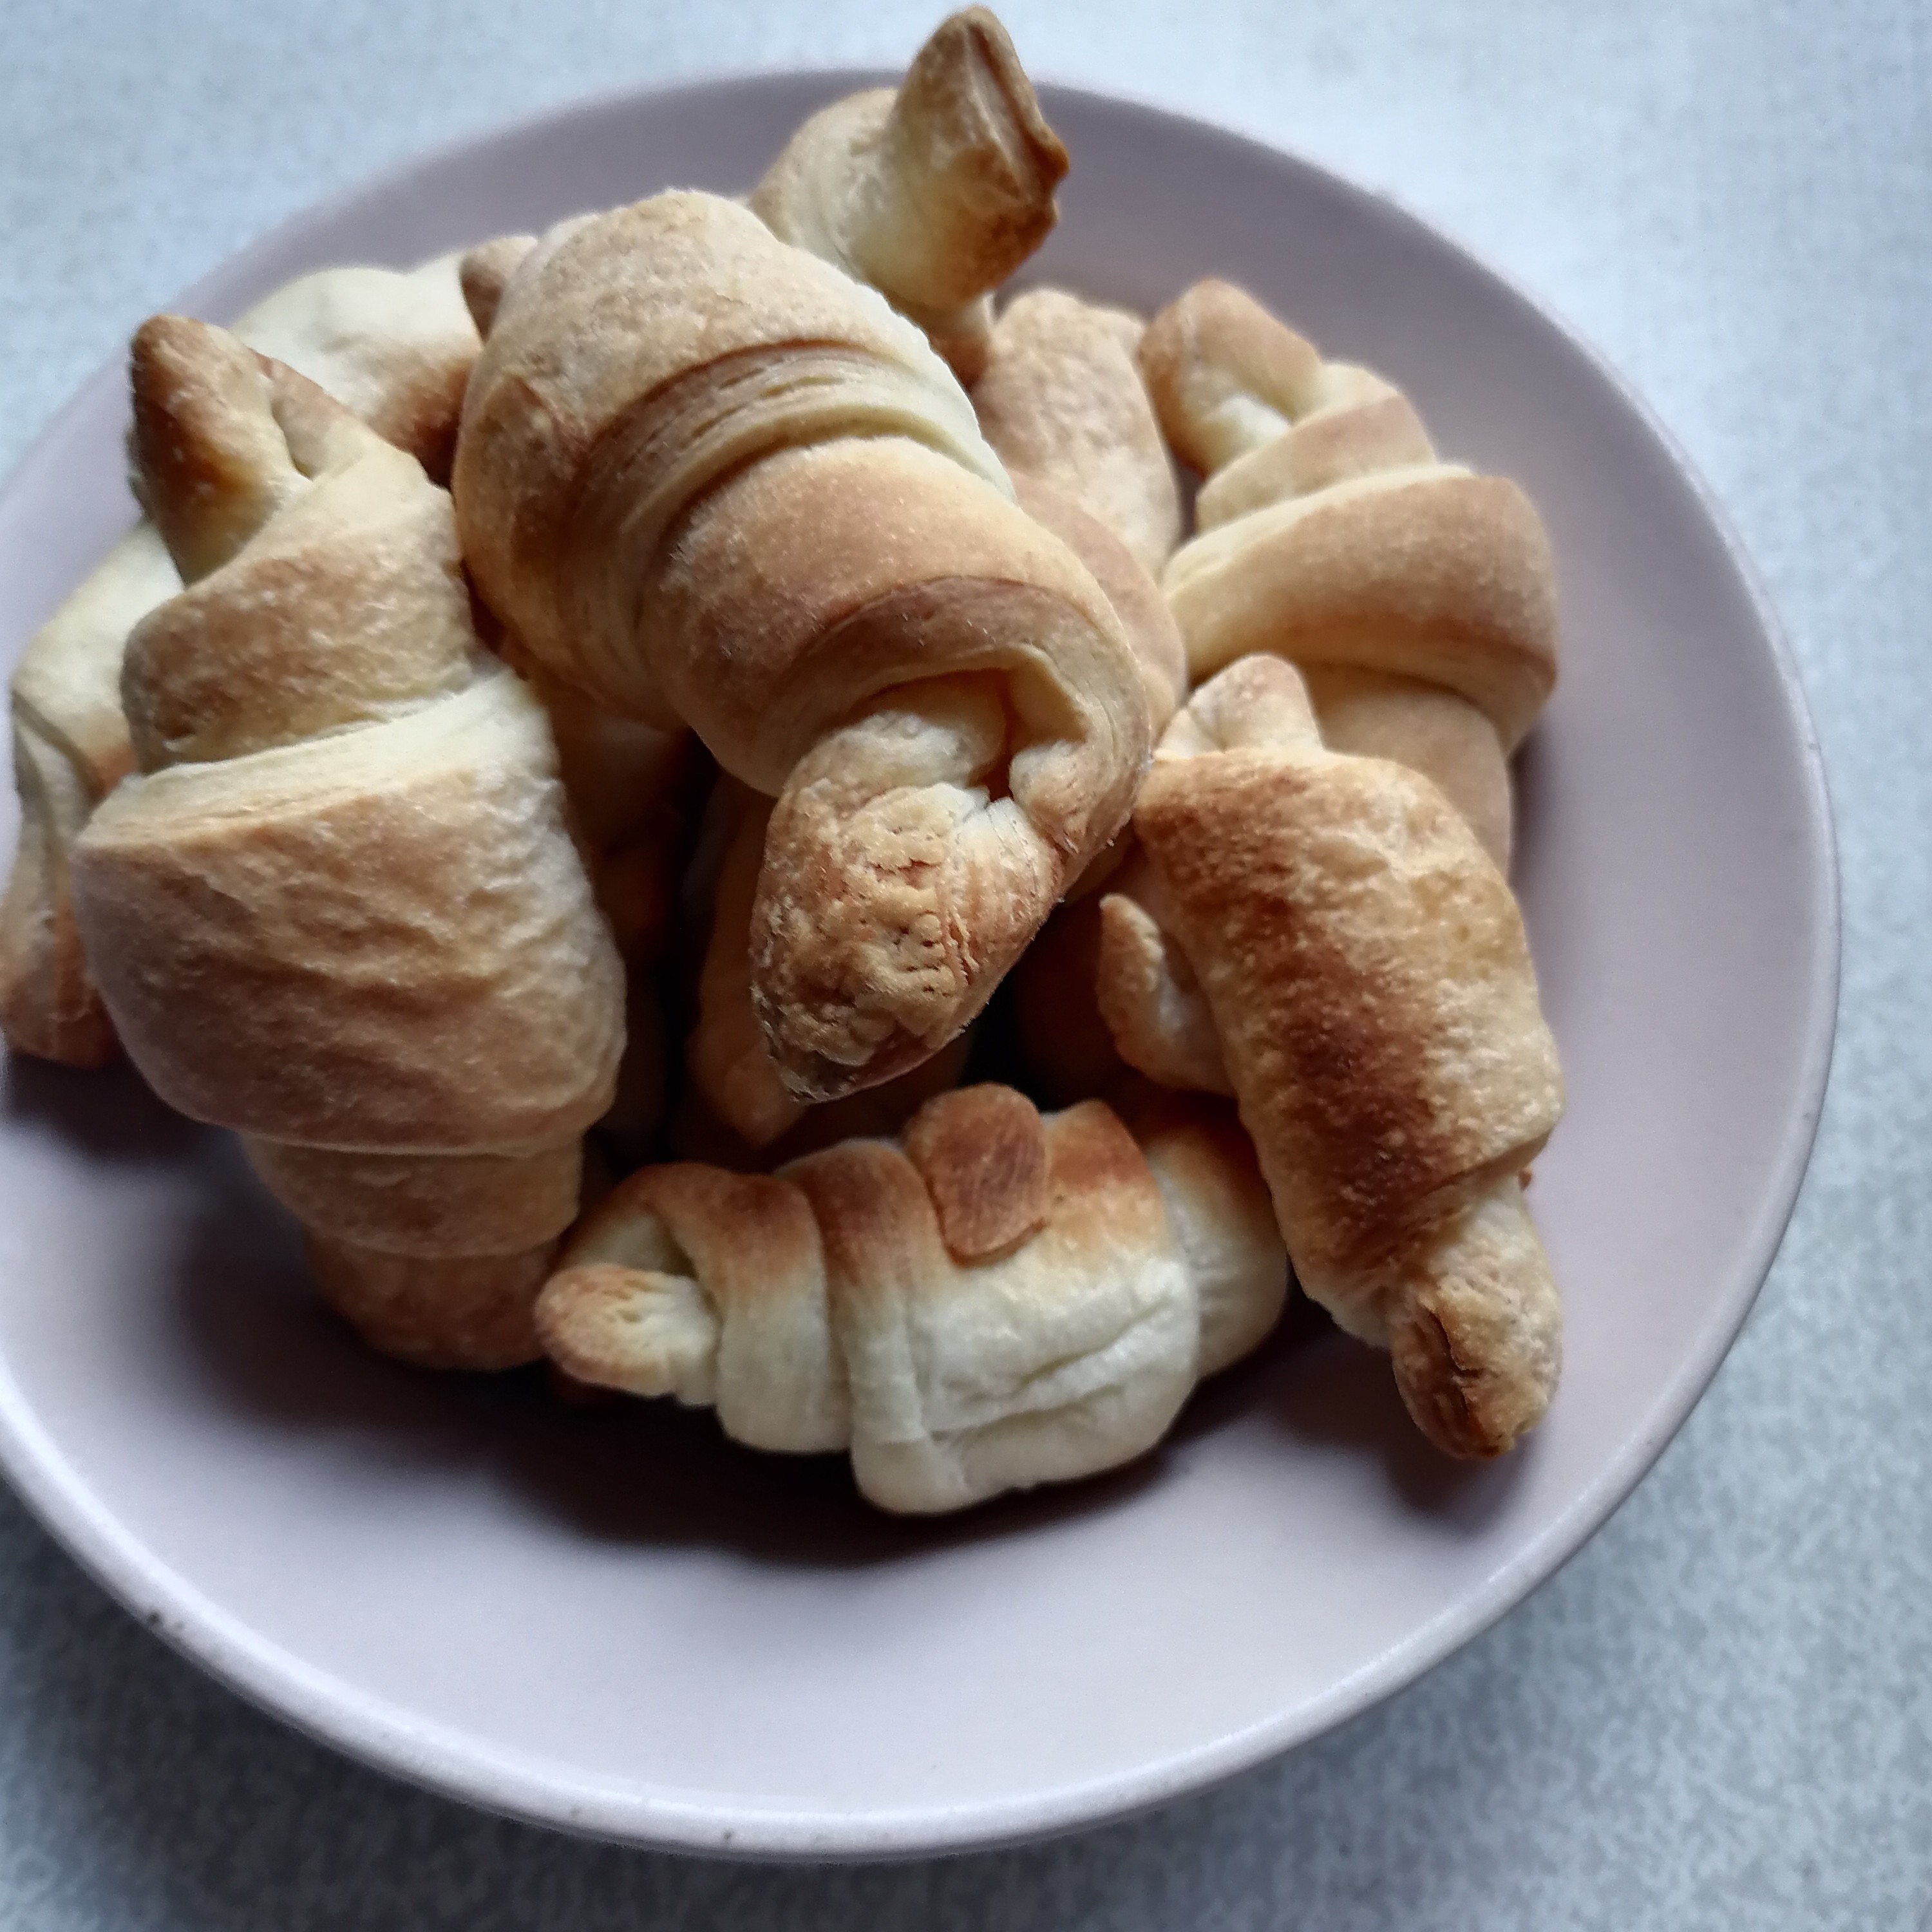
x=1418, y=597
x=996, y=1300
x=1366, y=969
x=706, y=479
x=397, y=348
x=934, y=192
x=338, y=907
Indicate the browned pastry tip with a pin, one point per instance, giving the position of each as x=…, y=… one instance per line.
x=934, y=192
x=972, y=151
x=897, y=889
x=49, y=1006
x=982, y=1152
x=215, y=463
x=709, y=1286
x=229, y=443
x=1475, y=1330
x=966, y=114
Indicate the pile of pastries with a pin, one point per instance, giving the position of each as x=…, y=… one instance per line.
x=682, y=786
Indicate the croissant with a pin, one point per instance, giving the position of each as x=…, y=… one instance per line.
x=1062, y=402
x=994, y=1301
x=1366, y=971
x=705, y=477
x=934, y=194
x=1418, y=598
x=338, y=907
x=397, y=348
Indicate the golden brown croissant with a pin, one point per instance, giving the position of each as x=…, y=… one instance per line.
x=1367, y=973
x=1063, y=401
x=397, y=348
x=1418, y=598
x=339, y=908
x=705, y=477
x=933, y=193
x=996, y=1300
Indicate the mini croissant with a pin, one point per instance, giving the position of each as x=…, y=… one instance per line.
x=997, y=1300
x=1366, y=969
x=339, y=908
x=1418, y=597
x=933, y=193
x=705, y=477
x=397, y=348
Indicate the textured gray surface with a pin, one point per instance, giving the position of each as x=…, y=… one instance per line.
x=1721, y=1714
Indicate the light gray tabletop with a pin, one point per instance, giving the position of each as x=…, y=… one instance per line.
x=1720, y=1714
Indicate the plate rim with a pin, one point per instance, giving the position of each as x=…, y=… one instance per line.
x=458, y=1765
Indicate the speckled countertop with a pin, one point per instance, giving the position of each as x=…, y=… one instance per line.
x=1720, y=1714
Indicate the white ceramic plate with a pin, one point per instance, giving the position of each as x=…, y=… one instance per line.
x=609, y=1620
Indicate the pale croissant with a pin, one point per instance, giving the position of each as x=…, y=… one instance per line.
x=1418, y=597
x=933, y=194
x=994, y=1301
x=397, y=348
x=1367, y=974
x=339, y=908
x=705, y=477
